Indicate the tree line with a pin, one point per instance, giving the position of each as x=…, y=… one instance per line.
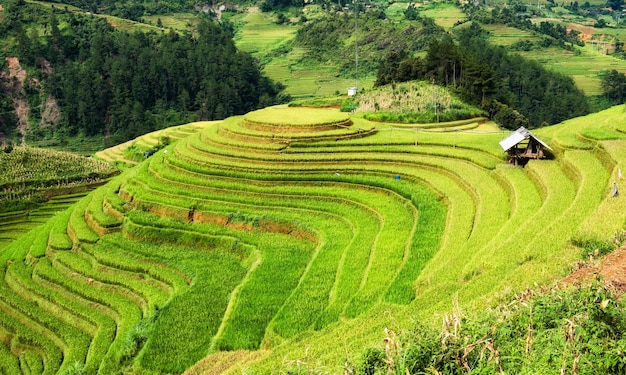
x=119, y=85
x=515, y=91
x=325, y=37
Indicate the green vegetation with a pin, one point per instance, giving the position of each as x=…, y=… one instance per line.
x=292, y=239
x=500, y=83
x=114, y=85
x=536, y=331
x=29, y=176
x=413, y=102
x=288, y=227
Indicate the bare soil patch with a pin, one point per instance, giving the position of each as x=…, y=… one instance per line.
x=16, y=77
x=611, y=268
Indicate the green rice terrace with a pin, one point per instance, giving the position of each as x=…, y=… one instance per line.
x=290, y=239
x=35, y=184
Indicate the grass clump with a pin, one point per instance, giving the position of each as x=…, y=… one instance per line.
x=594, y=246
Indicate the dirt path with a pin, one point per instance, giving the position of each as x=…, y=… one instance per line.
x=611, y=268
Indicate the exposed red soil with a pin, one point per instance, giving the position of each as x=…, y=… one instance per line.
x=586, y=32
x=611, y=268
x=16, y=79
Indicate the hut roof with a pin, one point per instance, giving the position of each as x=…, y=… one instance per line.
x=519, y=135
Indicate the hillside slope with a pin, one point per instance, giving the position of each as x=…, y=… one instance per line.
x=290, y=238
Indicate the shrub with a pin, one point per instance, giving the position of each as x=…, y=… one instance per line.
x=349, y=105
x=549, y=331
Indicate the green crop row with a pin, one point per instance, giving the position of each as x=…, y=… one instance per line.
x=478, y=141
x=154, y=291
x=105, y=325
x=129, y=314
x=607, y=220
x=235, y=127
x=178, y=194
x=72, y=341
x=266, y=289
x=95, y=210
x=196, y=158
x=26, y=337
x=109, y=253
x=482, y=159
x=9, y=364
x=194, y=315
x=82, y=330
x=215, y=137
x=77, y=228
x=132, y=286
x=138, y=226
x=59, y=239
x=549, y=238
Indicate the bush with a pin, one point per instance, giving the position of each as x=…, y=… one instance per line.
x=349, y=105
x=577, y=330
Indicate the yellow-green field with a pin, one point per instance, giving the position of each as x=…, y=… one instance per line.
x=260, y=33
x=585, y=68
x=259, y=249
x=445, y=15
x=506, y=35
x=177, y=21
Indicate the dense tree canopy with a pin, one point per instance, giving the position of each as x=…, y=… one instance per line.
x=325, y=38
x=134, y=9
x=120, y=85
x=614, y=86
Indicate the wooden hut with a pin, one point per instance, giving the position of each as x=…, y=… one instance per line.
x=523, y=145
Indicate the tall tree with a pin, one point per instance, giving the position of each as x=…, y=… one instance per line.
x=614, y=86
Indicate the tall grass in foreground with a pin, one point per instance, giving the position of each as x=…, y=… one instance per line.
x=572, y=330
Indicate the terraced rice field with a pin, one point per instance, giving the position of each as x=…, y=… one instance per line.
x=116, y=154
x=290, y=238
x=15, y=224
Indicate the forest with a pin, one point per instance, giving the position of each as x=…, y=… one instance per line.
x=515, y=91
x=120, y=85
x=117, y=84
x=324, y=38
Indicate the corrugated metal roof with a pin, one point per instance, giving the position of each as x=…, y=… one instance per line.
x=518, y=136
